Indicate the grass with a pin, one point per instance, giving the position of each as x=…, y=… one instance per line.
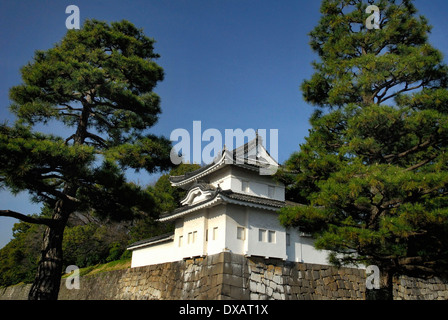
x=110, y=266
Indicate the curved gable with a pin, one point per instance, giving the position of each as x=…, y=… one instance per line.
x=198, y=194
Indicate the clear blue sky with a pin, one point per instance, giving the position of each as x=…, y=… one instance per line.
x=228, y=63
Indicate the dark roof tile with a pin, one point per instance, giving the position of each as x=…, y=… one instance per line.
x=153, y=239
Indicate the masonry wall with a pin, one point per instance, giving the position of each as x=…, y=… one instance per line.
x=230, y=276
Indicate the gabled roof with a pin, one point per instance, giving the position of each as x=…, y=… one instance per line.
x=239, y=157
x=198, y=189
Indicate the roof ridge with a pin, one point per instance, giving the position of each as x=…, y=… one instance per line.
x=152, y=239
x=230, y=155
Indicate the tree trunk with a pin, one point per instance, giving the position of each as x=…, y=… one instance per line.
x=47, y=282
x=386, y=290
x=49, y=271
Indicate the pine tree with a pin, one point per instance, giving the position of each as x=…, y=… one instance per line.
x=373, y=171
x=98, y=82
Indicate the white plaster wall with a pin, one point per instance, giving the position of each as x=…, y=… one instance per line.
x=155, y=254
x=301, y=249
x=216, y=219
x=258, y=184
x=178, y=231
x=236, y=217
x=230, y=178
x=227, y=218
x=268, y=220
x=193, y=222
x=221, y=178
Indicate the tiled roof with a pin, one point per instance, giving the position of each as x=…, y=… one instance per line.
x=187, y=208
x=226, y=155
x=253, y=199
x=225, y=196
x=160, y=238
x=191, y=174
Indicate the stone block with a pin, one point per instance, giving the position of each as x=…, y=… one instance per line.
x=237, y=259
x=217, y=268
x=261, y=288
x=225, y=289
x=333, y=286
x=326, y=281
x=253, y=286
x=280, y=288
x=237, y=269
x=278, y=271
x=217, y=258
x=269, y=275
x=227, y=256
x=278, y=279
x=278, y=296
x=255, y=277
x=308, y=275
x=233, y=280
x=254, y=296
x=227, y=268
x=238, y=293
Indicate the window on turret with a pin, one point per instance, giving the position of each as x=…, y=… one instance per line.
x=271, y=191
x=240, y=233
x=262, y=235
x=215, y=233
x=266, y=236
x=192, y=236
x=180, y=240
x=271, y=236
x=245, y=186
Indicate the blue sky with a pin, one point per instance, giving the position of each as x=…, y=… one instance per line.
x=228, y=63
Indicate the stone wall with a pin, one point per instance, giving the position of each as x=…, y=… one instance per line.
x=230, y=276
x=17, y=292
x=260, y=279
x=406, y=288
x=192, y=279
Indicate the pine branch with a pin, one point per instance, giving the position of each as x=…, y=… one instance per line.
x=69, y=138
x=100, y=141
x=420, y=164
x=25, y=218
x=391, y=157
x=405, y=89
